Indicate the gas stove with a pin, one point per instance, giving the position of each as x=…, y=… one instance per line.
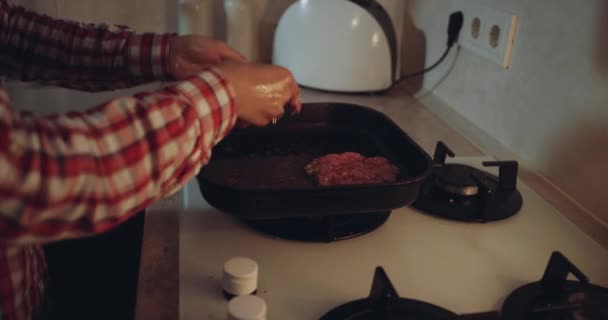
x=553, y=297
x=448, y=266
x=461, y=192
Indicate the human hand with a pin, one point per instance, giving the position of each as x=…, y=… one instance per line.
x=262, y=91
x=190, y=54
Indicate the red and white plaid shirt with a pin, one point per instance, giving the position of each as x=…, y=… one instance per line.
x=72, y=175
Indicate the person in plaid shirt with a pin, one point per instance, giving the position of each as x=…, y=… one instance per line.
x=66, y=176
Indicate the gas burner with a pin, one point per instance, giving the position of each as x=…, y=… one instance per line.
x=554, y=297
x=321, y=228
x=461, y=192
x=384, y=303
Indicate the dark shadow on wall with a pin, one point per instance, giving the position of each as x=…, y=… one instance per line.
x=602, y=39
x=413, y=51
x=578, y=159
x=578, y=163
x=268, y=24
x=219, y=21
x=171, y=15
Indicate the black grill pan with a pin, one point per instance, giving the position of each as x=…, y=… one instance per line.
x=258, y=173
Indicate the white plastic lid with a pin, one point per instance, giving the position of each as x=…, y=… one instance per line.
x=240, y=267
x=240, y=276
x=247, y=308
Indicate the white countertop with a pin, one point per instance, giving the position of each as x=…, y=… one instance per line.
x=462, y=267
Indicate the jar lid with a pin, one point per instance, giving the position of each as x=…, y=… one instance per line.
x=247, y=308
x=241, y=268
x=240, y=276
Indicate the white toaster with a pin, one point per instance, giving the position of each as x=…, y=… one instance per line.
x=338, y=45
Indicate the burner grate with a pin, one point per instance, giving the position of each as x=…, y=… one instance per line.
x=464, y=193
x=555, y=297
x=384, y=303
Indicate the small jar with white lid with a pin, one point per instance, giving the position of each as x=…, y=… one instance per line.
x=247, y=308
x=240, y=277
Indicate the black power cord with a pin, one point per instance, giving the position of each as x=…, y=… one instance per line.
x=454, y=27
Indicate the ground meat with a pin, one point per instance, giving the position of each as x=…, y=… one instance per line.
x=351, y=168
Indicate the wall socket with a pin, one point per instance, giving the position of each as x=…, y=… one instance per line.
x=487, y=31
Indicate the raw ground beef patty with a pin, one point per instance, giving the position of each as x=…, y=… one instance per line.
x=351, y=168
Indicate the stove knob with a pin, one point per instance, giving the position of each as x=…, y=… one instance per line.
x=247, y=308
x=240, y=277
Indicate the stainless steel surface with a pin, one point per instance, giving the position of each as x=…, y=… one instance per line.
x=458, y=190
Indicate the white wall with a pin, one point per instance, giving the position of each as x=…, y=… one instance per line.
x=551, y=107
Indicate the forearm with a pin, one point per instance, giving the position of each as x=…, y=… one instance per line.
x=83, y=56
x=67, y=176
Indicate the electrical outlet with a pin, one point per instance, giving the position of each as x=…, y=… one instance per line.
x=487, y=31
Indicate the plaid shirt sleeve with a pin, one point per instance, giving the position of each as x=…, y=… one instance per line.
x=91, y=57
x=83, y=173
